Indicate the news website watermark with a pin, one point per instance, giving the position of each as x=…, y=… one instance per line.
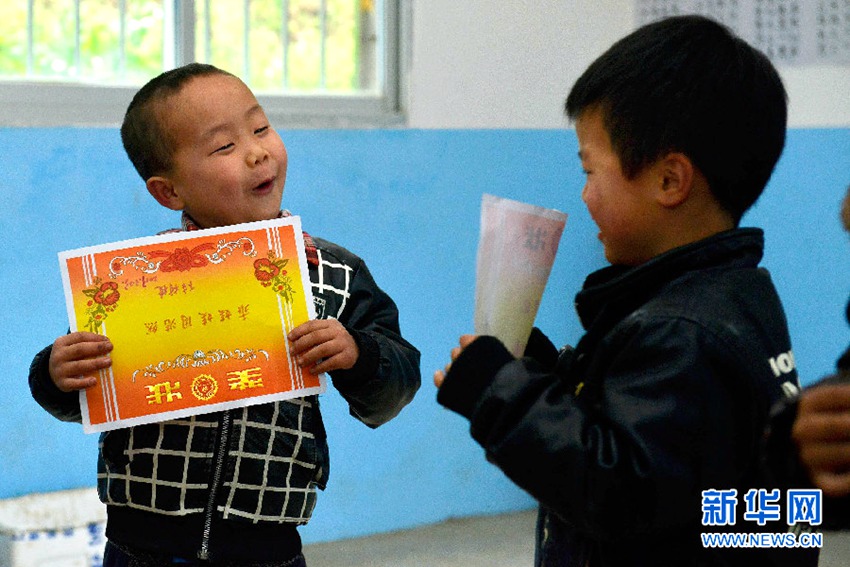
x=803, y=509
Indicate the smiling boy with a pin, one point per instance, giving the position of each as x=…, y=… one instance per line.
x=231, y=163
x=666, y=395
x=636, y=224
x=229, y=488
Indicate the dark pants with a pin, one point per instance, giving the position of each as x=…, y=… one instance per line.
x=554, y=546
x=113, y=556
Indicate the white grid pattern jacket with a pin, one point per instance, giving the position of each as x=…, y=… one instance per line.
x=272, y=456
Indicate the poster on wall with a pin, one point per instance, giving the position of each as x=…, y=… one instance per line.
x=198, y=321
x=789, y=32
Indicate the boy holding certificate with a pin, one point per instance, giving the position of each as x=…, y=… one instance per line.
x=229, y=488
x=665, y=397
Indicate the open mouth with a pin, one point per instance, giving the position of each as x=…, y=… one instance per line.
x=265, y=186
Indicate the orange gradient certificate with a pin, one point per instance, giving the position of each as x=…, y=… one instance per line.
x=198, y=320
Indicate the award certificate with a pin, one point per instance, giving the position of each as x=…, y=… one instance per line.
x=198, y=321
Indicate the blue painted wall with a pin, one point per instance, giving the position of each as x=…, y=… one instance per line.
x=408, y=202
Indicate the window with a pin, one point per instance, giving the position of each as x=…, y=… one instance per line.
x=310, y=62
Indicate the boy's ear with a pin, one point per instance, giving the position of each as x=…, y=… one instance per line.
x=162, y=190
x=677, y=179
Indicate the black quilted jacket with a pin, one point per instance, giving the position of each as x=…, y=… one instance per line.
x=666, y=395
x=235, y=484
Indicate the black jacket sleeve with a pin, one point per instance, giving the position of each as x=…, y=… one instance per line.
x=386, y=375
x=62, y=405
x=623, y=457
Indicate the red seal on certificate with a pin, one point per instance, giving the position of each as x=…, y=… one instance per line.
x=204, y=387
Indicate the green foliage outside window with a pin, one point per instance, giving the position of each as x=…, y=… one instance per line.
x=99, y=58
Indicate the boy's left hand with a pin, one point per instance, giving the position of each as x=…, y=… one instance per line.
x=822, y=434
x=325, y=343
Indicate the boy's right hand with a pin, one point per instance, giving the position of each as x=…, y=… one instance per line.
x=76, y=357
x=440, y=375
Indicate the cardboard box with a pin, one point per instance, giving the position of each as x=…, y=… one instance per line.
x=58, y=529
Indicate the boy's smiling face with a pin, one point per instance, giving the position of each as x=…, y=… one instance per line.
x=228, y=164
x=622, y=208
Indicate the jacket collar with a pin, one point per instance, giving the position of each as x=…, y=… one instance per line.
x=618, y=290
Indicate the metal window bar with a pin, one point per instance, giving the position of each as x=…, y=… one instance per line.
x=246, y=41
x=78, y=59
x=284, y=41
x=323, y=30
x=368, y=37
x=178, y=33
x=284, y=13
x=122, y=39
x=207, y=32
x=30, y=37
x=77, y=68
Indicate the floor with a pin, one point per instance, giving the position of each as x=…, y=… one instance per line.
x=490, y=541
x=467, y=542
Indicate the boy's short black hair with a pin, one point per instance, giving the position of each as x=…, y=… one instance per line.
x=146, y=142
x=688, y=84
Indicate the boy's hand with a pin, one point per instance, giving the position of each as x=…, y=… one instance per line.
x=440, y=375
x=325, y=343
x=822, y=434
x=76, y=357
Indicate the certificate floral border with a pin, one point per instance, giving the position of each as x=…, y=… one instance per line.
x=181, y=259
x=102, y=300
x=270, y=272
x=198, y=359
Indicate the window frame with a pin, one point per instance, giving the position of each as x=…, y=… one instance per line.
x=36, y=103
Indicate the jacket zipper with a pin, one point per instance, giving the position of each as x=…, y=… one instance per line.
x=218, y=469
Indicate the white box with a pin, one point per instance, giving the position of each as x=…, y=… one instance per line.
x=57, y=529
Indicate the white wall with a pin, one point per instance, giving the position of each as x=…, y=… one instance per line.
x=818, y=96
x=510, y=63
